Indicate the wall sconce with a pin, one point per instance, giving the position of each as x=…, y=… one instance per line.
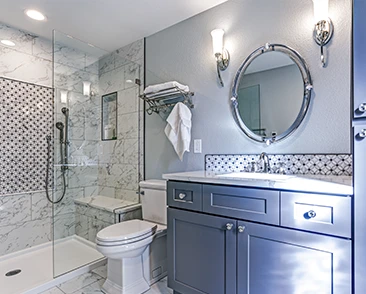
x=323, y=30
x=63, y=96
x=221, y=54
x=86, y=89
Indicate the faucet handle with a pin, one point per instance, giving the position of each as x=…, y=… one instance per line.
x=280, y=169
x=253, y=167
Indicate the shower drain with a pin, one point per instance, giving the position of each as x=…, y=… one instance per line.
x=13, y=273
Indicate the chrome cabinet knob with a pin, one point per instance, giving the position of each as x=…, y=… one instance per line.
x=311, y=214
x=362, y=134
x=241, y=229
x=182, y=196
x=362, y=107
x=229, y=226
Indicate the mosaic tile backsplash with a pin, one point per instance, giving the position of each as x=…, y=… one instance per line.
x=26, y=112
x=313, y=164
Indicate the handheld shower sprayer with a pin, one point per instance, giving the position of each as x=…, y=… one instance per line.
x=60, y=126
x=65, y=111
x=64, y=146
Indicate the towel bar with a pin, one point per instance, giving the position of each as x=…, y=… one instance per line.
x=164, y=99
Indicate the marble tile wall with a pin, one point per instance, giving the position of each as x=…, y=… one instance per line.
x=25, y=215
x=27, y=60
x=24, y=221
x=120, y=162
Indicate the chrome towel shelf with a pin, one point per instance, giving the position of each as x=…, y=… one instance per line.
x=164, y=99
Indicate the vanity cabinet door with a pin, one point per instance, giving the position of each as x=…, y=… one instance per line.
x=201, y=253
x=276, y=260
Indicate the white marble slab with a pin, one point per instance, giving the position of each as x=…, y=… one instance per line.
x=324, y=184
x=41, y=207
x=79, y=283
x=19, y=66
x=128, y=126
x=23, y=41
x=24, y=235
x=108, y=204
x=131, y=52
x=15, y=209
x=64, y=225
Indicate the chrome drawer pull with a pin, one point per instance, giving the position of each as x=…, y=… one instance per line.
x=182, y=196
x=241, y=229
x=362, y=107
x=229, y=226
x=362, y=134
x=311, y=214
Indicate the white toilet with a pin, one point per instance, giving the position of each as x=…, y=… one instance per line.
x=136, y=249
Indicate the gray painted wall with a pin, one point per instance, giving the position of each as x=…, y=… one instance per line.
x=183, y=52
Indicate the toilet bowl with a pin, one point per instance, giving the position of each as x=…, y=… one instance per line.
x=136, y=249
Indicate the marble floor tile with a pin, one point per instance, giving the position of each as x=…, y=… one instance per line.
x=79, y=283
x=160, y=288
x=53, y=291
x=96, y=287
x=91, y=283
x=101, y=271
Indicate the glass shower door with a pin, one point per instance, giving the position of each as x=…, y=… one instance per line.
x=97, y=146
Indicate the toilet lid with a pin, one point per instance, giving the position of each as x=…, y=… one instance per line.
x=126, y=230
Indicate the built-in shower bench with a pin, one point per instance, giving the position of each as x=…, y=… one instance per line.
x=97, y=212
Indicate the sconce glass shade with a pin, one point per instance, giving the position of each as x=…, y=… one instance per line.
x=86, y=88
x=63, y=96
x=217, y=41
x=320, y=10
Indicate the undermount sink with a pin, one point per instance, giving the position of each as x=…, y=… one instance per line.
x=257, y=176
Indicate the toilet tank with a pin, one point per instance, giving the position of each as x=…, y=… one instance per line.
x=153, y=200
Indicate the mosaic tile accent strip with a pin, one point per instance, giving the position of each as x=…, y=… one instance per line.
x=26, y=112
x=313, y=164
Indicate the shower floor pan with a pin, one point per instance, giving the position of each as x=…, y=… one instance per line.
x=73, y=256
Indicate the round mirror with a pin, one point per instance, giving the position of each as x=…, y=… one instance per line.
x=271, y=93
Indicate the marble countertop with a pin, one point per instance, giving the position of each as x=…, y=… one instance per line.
x=114, y=205
x=339, y=185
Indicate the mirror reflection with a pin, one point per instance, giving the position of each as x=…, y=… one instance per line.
x=270, y=94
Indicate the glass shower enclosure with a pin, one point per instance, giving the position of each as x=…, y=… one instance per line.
x=97, y=147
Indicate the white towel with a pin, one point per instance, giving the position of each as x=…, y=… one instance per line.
x=178, y=129
x=164, y=86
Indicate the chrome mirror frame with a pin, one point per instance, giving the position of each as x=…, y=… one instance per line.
x=305, y=73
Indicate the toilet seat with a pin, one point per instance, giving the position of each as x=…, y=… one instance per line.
x=125, y=233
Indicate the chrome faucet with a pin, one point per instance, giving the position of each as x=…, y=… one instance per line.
x=266, y=164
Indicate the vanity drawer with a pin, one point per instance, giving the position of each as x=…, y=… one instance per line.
x=326, y=214
x=185, y=195
x=243, y=203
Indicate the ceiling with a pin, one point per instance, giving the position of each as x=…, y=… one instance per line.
x=108, y=24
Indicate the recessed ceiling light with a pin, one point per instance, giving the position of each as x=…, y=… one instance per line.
x=34, y=14
x=8, y=43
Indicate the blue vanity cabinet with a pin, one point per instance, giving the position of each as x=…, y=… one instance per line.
x=201, y=253
x=258, y=241
x=278, y=260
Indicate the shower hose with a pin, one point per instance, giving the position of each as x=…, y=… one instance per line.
x=63, y=171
